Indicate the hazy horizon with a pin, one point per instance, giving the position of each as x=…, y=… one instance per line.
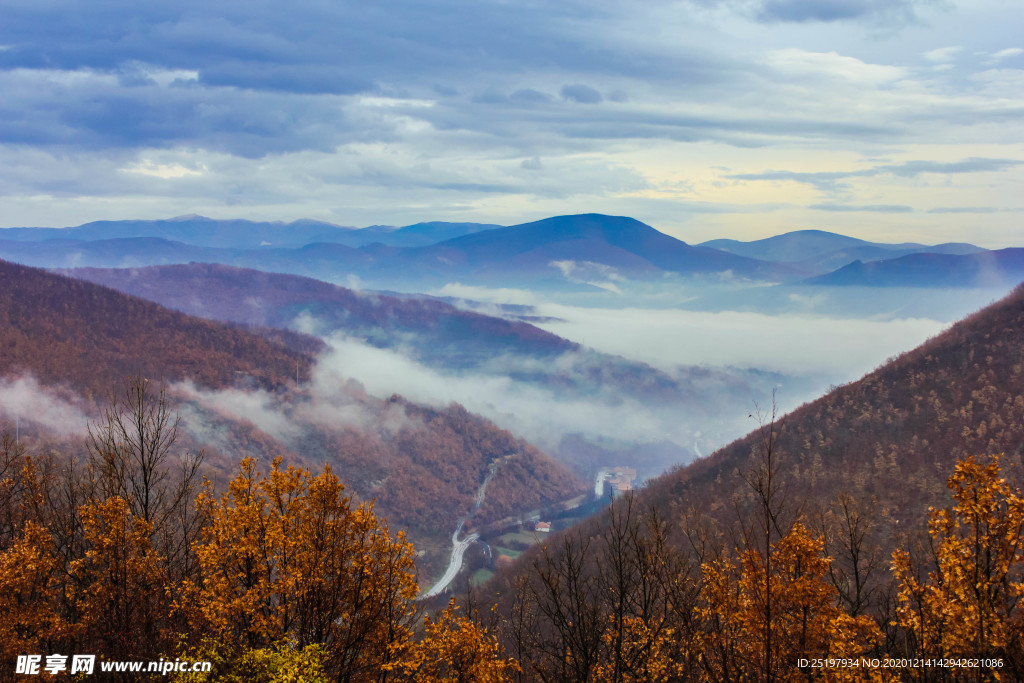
x=897, y=121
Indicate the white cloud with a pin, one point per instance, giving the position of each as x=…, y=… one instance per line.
x=943, y=54
x=527, y=410
x=24, y=399
x=832, y=66
x=1005, y=54
x=166, y=171
x=842, y=349
x=499, y=295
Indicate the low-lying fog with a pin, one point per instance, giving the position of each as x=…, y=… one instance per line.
x=709, y=368
x=835, y=349
x=798, y=351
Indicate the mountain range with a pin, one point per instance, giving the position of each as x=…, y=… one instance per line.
x=585, y=252
x=242, y=234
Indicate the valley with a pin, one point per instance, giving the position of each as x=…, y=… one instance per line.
x=502, y=429
x=512, y=342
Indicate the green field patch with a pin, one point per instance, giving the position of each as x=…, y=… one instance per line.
x=480, y=576
x=516, y=538
x=497, y=550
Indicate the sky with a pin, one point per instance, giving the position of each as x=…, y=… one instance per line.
x=889, y=120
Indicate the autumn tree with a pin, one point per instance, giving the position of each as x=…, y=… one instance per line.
x=286, y=558
x=969, y=604
x=453, y=649
x=613, y=606
x=29, y=609
x=119, y=594
x=769, y=602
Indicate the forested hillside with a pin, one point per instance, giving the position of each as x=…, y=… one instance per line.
x=254, y=297
x=893, y=436
x=91, y=337
x=882, y=522
x=237, y=396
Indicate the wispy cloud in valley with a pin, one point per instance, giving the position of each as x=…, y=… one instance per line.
x=837, y=348
x=59, y=412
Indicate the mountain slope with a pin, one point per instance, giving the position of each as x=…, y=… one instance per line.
x=66, y=330
x=609, y=245
x=249, y=297
x=986, y=269
x=893, y=436
x=864, y=508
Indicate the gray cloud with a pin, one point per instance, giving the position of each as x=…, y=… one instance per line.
x=895, y=13
x=830, y=180
x=253, y=81
x=904, y=11
x=580, y=93
x=873, y=208
x=963, y=209
x=360, y=111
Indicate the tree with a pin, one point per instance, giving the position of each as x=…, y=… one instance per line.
x=132, y=456
x=969, y=604
x=287, y=558
x=454, y=650
x=119, y=592
x=29, y=612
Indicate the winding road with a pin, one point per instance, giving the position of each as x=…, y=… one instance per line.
x=459, y=547
x=454, y=565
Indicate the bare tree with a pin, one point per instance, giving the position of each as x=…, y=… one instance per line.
x=132, y=455
x=771, y=523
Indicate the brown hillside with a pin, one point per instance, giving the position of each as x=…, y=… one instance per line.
x=893, y=436
x=810, y=538
x=247, y=296
x=65, y=330
x=422, y=465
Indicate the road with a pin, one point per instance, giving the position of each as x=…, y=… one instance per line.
x=459, y=547
x=454, y=565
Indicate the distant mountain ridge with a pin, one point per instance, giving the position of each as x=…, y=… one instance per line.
x=582, y=252
x=804, y=245
x=598, y=246
x=1004, y=267
x=200, y=231
x=585, y=250
x=247, y=296
x=819, y=251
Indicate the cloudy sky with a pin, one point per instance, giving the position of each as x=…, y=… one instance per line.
x=885, y=119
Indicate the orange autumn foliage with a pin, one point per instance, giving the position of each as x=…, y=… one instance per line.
x=969, y=604
x=285, y=557
x=454, y=650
